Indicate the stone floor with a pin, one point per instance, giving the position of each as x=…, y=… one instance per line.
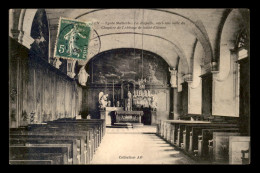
x=137, y=146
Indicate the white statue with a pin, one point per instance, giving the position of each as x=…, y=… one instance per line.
x=129, y=95
x=128, y=105
x=154, y=103
x=173, y=80
x=83, y=76
x=102, y=100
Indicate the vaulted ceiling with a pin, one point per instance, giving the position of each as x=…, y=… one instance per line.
x=176, y=43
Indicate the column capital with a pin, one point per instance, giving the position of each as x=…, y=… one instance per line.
x=17, y=35
x=188, y=78
x=210, y=67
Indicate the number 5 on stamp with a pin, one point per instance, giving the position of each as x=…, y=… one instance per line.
x=72, y=39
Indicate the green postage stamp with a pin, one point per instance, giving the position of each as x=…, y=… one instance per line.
x=72, y=39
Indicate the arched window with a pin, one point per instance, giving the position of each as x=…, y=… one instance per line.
x=40, y=34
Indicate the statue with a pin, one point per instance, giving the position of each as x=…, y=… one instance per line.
x=83, y=76
x=117, y=104
x=128, y=106
x=154, y=103
x=129, y=95
x=102, y=100
x=109, y=103
x=173, y=80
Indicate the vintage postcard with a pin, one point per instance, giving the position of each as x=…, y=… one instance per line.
x=129, y=86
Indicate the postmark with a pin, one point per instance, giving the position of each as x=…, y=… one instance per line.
x=72, y=39
x=94, y=44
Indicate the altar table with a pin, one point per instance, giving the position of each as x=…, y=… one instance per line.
x=129, y=116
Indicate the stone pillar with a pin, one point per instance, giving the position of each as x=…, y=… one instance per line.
x=174, y=86
x=207, y=94
x=176, y=103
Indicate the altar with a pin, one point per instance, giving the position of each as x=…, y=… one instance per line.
x=106, y=114
x=133, y=106
x=129, y=116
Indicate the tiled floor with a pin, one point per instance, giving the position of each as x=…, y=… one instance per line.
x=137, y=146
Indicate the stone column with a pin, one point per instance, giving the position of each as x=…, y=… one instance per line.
x=207, y=94
x=176, y=103
x=173, y=82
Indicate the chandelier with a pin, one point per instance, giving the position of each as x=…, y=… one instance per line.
x=142, y=80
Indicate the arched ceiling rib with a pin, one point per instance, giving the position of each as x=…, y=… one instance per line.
x=161, y=47
x=200, y=24
x=182, y=35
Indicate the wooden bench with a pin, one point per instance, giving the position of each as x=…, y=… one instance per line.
x=63, y=127
x=93, y=135
x=239, y=149
x=72, y=127
x=91, y=129
x=219, y=147
x=84, y=136
x=206, y=135
x=193, y=131
x=172, y=130
x=97, y=132
x=82, y=150
x=25, y=141
x=97, y=125
x=99, y=122
x=58, y=154
x=30, y=162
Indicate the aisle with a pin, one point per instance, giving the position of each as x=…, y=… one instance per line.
x=137, y=146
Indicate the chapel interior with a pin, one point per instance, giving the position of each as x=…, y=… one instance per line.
x=163, y=93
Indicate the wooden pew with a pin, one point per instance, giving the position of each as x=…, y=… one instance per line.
x=176, y=128
x=30, y=162
x=193, y=131
x=206, y=135
x=239, y=149
x=94, y=137
x=96, y=124
x=58, y=154
x=50, y=129
x=89, y=131
x=174, y=133
x=80, y=138
x=158, y=124
x=219, y=146
x=100, y=122
x=58, y=128
x=167, y=131
x=23, y=141
x=74, y=126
